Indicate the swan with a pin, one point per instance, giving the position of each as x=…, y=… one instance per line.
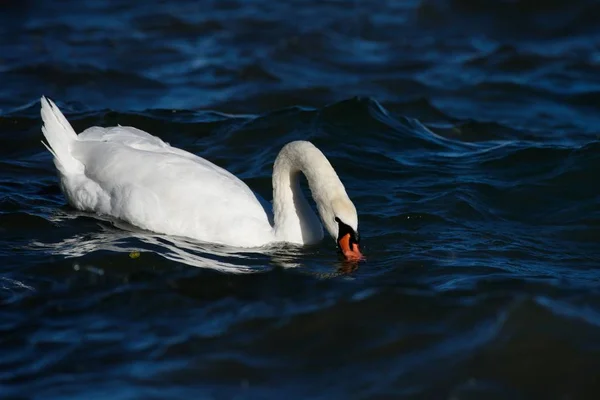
x=133, y=176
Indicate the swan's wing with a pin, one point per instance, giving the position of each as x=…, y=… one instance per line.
x=119, y=134
x=150, y=184
x=131, y=137
x=138, y=139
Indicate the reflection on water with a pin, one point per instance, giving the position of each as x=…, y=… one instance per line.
x=120, y=237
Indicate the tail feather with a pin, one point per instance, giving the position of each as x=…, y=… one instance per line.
x=60, y=137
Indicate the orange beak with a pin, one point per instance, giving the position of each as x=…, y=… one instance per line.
x=349, y=249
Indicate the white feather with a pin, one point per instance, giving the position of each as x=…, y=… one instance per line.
x=134, y=176
x=60, y=136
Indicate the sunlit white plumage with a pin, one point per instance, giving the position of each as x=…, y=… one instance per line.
x=131, y=175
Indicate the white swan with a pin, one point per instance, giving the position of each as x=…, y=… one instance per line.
x=133, y=176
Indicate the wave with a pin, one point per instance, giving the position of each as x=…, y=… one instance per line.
x=82, y=74
x=510, y=19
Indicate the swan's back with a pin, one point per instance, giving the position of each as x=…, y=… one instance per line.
x=138, y=157
x=170, y=190
x=137, y=139
x=134, y=176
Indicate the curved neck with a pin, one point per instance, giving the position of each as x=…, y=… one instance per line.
x=295, y=221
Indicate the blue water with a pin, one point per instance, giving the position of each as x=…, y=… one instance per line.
x=466, y=132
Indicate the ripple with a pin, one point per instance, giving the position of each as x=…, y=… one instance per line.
x=464, y=131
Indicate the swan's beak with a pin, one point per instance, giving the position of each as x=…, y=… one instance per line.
x=350, y=248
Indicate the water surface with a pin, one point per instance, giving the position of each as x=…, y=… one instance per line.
x=466, y=132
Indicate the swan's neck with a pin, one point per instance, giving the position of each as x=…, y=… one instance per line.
x=295, y=221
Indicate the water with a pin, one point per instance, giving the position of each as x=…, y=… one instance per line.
x=466, y=132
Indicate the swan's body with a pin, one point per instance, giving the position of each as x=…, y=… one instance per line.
x=134, y=176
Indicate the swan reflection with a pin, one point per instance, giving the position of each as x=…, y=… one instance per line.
x=124, y=238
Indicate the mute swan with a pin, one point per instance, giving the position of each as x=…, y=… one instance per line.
x=134, y=176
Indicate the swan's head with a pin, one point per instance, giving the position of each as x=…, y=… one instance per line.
x=341, y=221
x=336, y=210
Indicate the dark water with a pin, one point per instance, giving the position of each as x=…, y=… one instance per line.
x=466, y=132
